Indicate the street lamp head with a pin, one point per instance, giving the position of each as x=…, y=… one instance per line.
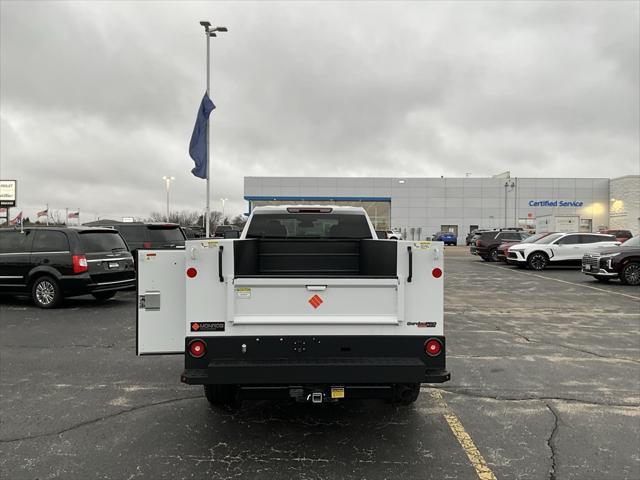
x=205, y=24
x=221, y=29
x=211, y=34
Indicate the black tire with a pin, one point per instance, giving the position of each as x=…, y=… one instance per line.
x=45, y=292
x=222, y=395
x=486, y=259
x=630, y=274
x=103, y=295
x=493, y=255
x=406, y=393
x=602, y=279
x=538, y=261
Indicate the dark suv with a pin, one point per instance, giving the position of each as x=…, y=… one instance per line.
x=621, y=262
x=151, y=235
x=51, y=263
x=488, y=242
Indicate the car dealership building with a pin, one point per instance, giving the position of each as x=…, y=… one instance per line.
x=419, y=207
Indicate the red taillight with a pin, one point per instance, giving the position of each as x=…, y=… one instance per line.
x=436, y=272
x=478, y=243
x=146, y=245
x=197, y=348
x=79, y=263
x=191, y=272
x=433, y=347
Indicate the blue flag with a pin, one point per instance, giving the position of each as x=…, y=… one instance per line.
x=198, y=144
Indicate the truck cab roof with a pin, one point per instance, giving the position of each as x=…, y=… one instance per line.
x=309, y=209
x=309, y=221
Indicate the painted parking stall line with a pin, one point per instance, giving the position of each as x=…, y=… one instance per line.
x=464, y=439
x=561, y=281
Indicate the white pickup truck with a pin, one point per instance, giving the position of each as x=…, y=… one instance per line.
x=307, y=304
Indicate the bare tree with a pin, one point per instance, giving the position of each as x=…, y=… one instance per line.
x=239, y=221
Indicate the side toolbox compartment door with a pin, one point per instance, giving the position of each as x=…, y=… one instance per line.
x=208, y=291
x=160, y=310
x=420, y=268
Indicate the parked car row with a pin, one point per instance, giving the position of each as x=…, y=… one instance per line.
x=51, y=263
x=600, y=255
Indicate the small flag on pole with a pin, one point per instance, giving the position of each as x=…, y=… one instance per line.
x=17, y=220
x=73, y=215
x=198, y=144
x=43, y=213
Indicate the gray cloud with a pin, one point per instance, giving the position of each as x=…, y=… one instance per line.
x=98, y=99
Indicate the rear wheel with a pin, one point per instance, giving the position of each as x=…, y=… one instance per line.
x=538, y=261
x=103, y=295
x=630, y=274
x=45, y=292
x=493, y=255
x=406, y=393
x=222, y=395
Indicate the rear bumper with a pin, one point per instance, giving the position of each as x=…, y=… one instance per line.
x=331, y=360
x=81, y=285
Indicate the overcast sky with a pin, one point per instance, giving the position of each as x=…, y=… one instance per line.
x=98, y=100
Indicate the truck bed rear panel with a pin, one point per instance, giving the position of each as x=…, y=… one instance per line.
x=314, y=257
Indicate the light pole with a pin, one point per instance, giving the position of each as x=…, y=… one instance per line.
x=223, y=200
x=508, y=184
x=208, y=33
x=167, y=182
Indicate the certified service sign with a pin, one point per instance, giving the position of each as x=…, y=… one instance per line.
x=8, y=193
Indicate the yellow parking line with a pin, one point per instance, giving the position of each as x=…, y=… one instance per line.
x=466, y=442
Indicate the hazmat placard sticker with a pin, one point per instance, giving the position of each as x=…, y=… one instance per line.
x=243, y=292
x=422, y=245
x=209, y=244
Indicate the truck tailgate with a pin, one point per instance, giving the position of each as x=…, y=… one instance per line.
x=260, y=301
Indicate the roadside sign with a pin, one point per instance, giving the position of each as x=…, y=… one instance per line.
x=8, y=191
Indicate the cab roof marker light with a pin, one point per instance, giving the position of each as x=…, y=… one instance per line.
x=309, y=210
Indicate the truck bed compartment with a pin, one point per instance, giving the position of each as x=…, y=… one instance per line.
x=315, y=258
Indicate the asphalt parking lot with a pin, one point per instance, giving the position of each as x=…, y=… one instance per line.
x=545, y=385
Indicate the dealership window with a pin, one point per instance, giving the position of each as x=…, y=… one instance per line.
x=586, y=225
x=379, y=211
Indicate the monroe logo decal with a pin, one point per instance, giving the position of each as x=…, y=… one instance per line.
x=207, y=326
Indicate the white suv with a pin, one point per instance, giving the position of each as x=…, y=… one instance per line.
x=558, y=249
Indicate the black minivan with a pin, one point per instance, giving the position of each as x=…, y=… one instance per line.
x=51, y=263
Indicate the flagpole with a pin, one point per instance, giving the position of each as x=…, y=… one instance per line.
x=208, y=33
x=208, y=226
x=47, y=214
